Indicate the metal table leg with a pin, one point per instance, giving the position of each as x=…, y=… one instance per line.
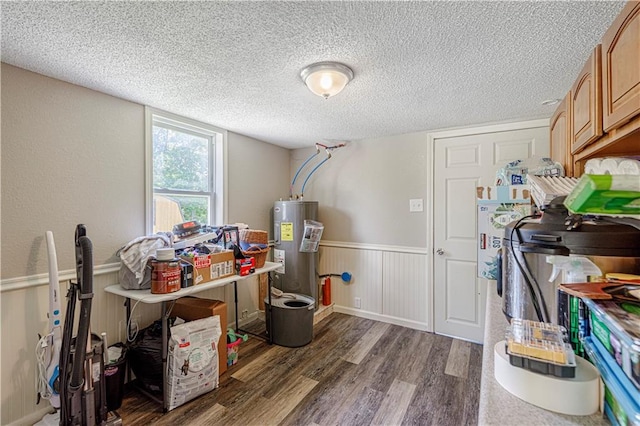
x=269, y=328
x=127, y=304
x=239, y=330
x=165, y=342
x=235, y=304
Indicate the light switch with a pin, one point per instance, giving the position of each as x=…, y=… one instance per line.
x=415, y=205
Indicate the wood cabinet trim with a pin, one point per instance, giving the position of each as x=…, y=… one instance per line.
x=590, y=80
x=614, y=116
x=624, y=140
x=560, y=146
x=620, y=131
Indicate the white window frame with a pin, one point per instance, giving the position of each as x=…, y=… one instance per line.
x=219, y=200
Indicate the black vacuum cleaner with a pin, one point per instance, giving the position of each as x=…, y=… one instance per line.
x=82, y=386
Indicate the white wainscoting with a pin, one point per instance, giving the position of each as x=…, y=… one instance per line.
x=390, y=281
x=25, y=303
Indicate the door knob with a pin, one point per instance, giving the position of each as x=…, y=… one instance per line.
x=440, y=252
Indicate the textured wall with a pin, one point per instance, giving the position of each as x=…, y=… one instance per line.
x=72, y=155
x=258, y=176
x=69, y=155
x=364, y=190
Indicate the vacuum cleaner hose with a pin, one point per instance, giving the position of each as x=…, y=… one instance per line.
x=85, y=272
x=86, y=287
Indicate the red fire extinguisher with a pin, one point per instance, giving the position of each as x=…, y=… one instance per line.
x=326, y=291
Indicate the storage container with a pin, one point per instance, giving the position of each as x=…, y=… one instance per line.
x=620, y=407
x=617, y=327
x=194, y=308
x=292, y=319
x=616, y=371
x=540, y=347
x=209, y=267
x=232, y=352
x=255, y=243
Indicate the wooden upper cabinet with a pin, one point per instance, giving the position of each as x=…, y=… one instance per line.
x=621, y=68
x=560, y=135
x=586, y=103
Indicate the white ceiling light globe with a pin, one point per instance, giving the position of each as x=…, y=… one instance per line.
x=326, y=79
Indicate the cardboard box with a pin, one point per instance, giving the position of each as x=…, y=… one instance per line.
x=497, y=207
x=211, y=267
x=245, y=266
x=193, y=308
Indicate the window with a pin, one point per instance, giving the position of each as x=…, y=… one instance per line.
x=185, y=172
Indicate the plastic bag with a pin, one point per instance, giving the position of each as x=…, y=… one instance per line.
x=145, y=357
x=135, y=271
x=515, y=172
x=128, y=280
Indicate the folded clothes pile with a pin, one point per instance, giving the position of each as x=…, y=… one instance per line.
x=246, y=246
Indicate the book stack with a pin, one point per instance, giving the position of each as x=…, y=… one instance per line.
x=546, y=188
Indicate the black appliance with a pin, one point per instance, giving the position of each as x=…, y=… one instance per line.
x=524, y=282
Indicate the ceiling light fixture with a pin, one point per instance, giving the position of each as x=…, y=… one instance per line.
x=326, y=79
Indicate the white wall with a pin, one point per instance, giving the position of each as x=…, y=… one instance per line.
x=69, y=155
x=363, y=193
x=364, y=190
x=259, y=173
x=72, y=155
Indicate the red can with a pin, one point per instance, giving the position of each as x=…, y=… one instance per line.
x=326, y=291
x=165, y=272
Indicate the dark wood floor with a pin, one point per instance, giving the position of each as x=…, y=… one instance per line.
x=355, y=372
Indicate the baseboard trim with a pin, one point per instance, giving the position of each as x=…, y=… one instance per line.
x=322, y=313
x=383, y=318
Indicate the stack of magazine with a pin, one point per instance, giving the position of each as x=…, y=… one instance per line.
x=546, y=188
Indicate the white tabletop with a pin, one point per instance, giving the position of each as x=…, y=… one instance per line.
x=145, y=296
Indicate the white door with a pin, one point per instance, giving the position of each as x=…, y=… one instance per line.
x=462, y=162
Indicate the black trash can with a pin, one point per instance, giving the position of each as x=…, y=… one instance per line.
x=114, y=374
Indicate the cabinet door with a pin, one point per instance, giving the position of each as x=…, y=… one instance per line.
x=621, y=68
x=586, y=103
x=560, y=137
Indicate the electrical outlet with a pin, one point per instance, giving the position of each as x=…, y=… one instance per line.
x=356, y=303
x=416, y=205
x=245, y=313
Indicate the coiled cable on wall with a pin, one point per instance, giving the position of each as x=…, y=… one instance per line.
x=42, y=384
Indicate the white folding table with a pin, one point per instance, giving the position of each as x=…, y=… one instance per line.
x=145, y=296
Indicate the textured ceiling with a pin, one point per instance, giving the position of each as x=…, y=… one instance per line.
x=418, y=65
